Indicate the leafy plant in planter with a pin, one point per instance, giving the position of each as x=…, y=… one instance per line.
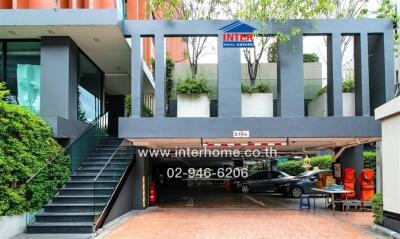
x=310, y=58
x=193, y=85
x=193, y=97
x=348, y=86
x=256, y=88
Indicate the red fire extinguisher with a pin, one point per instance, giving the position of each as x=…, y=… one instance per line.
x=153, y=194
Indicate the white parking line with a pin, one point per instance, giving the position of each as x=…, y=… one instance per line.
x=190, y=202
x=254, y=200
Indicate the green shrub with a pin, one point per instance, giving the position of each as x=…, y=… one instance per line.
x=193, y=85
x=26, y=145
x=377, y=208
x=310, y=58
x=127, y=105
x=295, y=167
x=257, y=88
x=369, y=159
x=348, y=86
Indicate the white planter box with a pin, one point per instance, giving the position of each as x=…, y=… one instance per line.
x=12, y=225
x=193, y=105
x=257, y=105
x=319, y=106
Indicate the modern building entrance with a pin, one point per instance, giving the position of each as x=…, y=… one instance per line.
x=92, y=61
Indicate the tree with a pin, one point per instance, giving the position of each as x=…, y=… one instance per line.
x=189, y=10
x=278, y=11
x=387, y=9
x=347, y=9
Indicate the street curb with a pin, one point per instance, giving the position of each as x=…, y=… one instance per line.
x=385, y=231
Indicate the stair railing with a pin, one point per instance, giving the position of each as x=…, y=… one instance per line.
x=46, y=182
x=112, y=172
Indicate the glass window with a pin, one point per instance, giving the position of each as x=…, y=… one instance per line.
x=23, y=73
x=89, y=90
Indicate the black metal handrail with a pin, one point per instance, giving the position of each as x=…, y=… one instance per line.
x=397, y=89
x=100, y=220
x=91, y=125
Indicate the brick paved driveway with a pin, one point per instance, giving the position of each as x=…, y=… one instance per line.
x=199, y=223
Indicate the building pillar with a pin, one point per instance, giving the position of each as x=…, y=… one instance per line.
x=141, y=183
x=229, y=89
x=353, y=158
x=59, y=86
x=59, y=80
x=334, y=56
x=290, y=100
x=389, y=115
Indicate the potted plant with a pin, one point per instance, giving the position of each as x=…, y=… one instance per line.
x=257, y=100
x=193, y=96
x=319, y=105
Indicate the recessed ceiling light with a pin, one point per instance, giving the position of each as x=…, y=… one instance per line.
x=12, y=32
x=96, y=39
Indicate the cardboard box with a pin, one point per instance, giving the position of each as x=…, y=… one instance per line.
x=330, y=180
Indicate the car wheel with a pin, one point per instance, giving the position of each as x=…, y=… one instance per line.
x=296, y=192
x=245, y=188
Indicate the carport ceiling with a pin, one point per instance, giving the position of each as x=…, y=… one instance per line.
x=293, y=145
x=105, y=45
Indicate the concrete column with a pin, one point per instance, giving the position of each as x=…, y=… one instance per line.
x=59, y=86
x=137, y=76
x=229, y=74
x=290, y=85
x=141, y=183
x=335, y=101
x=353, y=158
x=361, y=75
x=160, y=75
x=59, y=79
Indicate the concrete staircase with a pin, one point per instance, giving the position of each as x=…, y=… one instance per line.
x=80, y=201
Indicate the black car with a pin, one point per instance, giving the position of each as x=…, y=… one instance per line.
x=303, y=183
x=261, y=181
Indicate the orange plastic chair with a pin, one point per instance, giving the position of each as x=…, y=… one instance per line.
x=348, y=181
x=367, y=184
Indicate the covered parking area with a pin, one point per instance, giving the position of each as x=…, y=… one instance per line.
x=183, y=178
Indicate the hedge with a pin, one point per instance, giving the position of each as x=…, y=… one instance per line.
x=295, y=167
x=26, y=145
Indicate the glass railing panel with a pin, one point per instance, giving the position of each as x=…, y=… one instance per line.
x=106, y=181
x=42, y=186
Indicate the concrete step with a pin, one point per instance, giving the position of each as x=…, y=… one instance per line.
x=91, y=178
x=60, y=227
x=86, y=191
x=91, y=184
x=66, y=217
x=74, y=207
x=96, y=197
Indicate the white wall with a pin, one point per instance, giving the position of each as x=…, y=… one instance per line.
x=389, y=114
x=12, y=225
